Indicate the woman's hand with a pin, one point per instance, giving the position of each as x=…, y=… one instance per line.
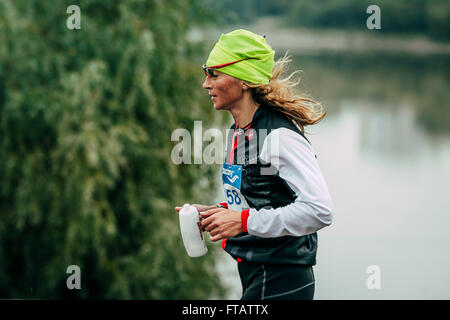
x=221, y=223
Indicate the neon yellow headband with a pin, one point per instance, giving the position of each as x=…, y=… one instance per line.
x=243, y=55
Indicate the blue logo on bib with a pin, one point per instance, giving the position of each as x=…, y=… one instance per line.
x=231, y=175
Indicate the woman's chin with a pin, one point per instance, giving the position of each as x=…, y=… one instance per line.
x=220, y=106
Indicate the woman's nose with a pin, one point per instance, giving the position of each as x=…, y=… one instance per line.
x=206, y=84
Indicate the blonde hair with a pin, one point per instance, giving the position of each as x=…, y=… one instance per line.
x=279, y=94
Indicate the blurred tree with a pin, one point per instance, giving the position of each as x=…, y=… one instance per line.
x=86, y=118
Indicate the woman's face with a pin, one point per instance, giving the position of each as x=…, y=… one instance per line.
x=224, y=90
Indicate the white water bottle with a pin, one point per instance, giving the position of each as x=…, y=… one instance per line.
x=191, y=231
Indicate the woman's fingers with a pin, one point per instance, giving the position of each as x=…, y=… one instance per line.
x=207, y=223
x=209, y=226
x=218, y=233
x=215, y=238
x=202, y=207
x=209, y=217
x=210, y=212
x=224, y=224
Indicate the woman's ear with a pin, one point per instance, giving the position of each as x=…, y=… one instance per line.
x=244, y=86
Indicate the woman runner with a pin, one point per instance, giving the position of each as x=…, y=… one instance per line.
x=277, y=198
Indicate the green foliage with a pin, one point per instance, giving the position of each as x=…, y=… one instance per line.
x=86, y=118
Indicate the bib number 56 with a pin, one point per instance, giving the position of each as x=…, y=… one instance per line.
x=233, y=197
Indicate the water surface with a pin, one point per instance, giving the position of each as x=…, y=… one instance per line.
x=384, y=149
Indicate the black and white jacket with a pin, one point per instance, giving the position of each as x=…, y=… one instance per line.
x=286, y=193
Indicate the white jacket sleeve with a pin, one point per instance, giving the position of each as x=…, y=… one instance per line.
x=295, y=160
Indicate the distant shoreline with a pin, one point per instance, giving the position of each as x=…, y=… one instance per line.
x=302, y=40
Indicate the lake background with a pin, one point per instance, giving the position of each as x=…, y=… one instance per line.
x=384, y=149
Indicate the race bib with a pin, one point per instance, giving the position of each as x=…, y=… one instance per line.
x=232, y=179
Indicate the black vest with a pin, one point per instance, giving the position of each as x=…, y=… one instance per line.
x=266, y=191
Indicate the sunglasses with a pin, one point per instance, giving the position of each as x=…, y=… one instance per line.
x=209, y=71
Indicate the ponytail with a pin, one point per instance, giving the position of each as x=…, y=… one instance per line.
x=279, y=94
